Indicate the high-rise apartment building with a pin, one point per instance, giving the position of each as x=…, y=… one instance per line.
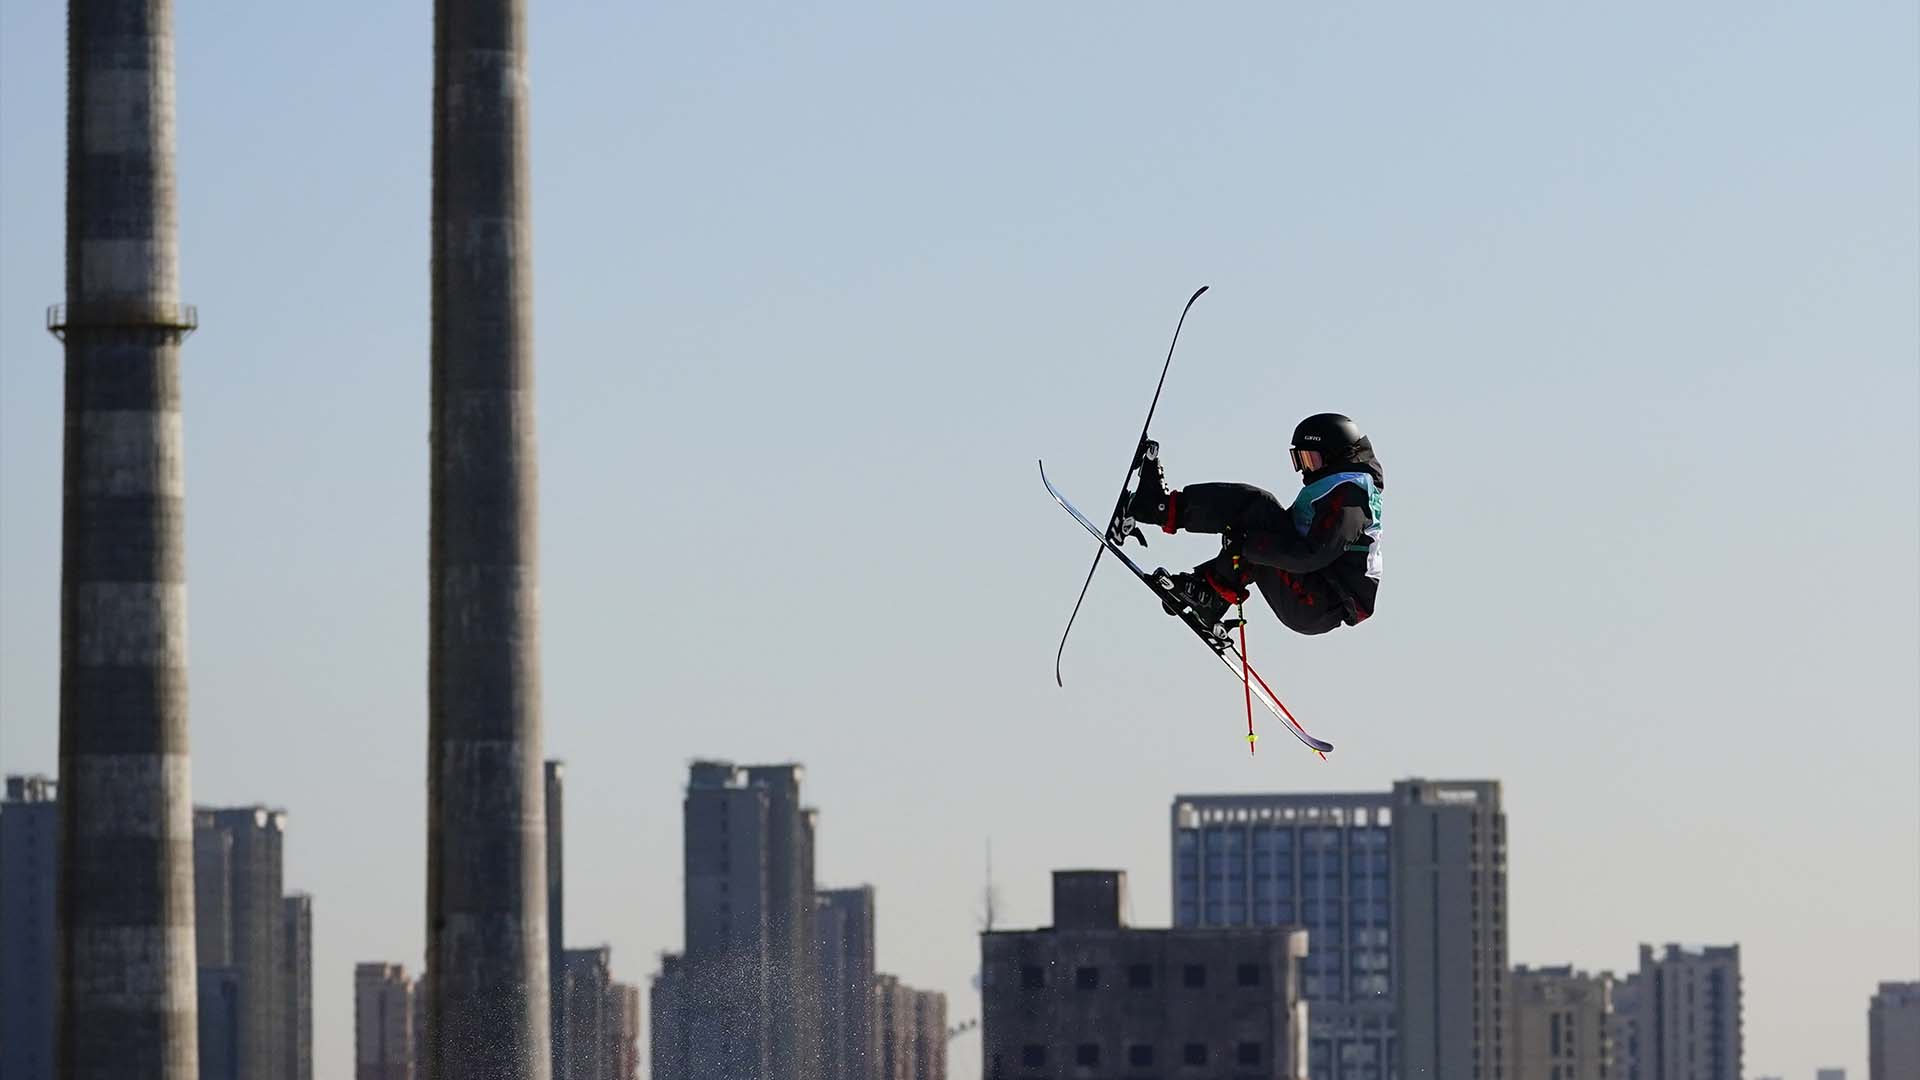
x=1312, y=860
x=297, y=979
x=1090, y=995
x=1560, y=1027
x=1623, y=1029
x=1679, y=1016
x=726, y=992
x=384, y=1015
x=830, y=963
x=669, y=1042
x=746, y=986
x=240, y=924
x=911, y=1026
x=626, y=1031
x=556, y=773
x=1449, y=897
x=221, y=1017
x=793, y=1019
x=29, y=890
x=893, y=1015
x=421, y=993
x=929, y=1035
x=1893, y=1032
x=590, y=1034
x=844, y=932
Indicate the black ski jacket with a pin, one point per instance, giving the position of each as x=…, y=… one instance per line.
x=1340, y=521
x=1261, y=530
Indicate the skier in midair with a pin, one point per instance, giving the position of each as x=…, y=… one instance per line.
x=1317, y=563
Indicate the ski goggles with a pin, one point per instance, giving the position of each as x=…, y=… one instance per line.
x=1306, y=460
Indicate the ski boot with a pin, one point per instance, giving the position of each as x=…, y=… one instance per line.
x=1152, y=501
x=1197, y=593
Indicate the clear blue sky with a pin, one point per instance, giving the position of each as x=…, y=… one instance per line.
x=1625, y=294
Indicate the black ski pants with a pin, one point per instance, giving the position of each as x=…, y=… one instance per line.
x=1307, y=603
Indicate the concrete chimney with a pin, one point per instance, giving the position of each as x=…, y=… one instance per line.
x=127, y=983
x=487, y=1000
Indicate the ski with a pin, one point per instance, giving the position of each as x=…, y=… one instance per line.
x=1117, y=526
x=1215, y=637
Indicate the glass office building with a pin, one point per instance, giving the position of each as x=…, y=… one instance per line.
x=1318, y=861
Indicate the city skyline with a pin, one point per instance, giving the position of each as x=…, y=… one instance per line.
x=1617, y=257
x=1356, y=817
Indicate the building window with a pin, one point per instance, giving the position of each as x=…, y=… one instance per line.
x=1194, y=1054
x=1247, y=1054
x=1139, y=1054
x=1087, y=978
x=1193, y=976
x=1139, y=976
x=1086, y=1054
x=1033, y=977
x=1033, y=1055
x=1247, y=975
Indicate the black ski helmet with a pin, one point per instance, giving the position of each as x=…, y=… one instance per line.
x=1330, y=433
x=1341, y=447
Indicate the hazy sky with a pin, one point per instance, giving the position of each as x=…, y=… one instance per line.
x=1625, y=294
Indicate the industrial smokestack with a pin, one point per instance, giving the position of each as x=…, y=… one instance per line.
x=487, y=1006
x=126, y=953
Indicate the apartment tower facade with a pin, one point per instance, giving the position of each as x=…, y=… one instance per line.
x=384, y=1011
x=240, y=925
x=1893, y=1031
x=1679, y=1016
x=1560, y=1023
x=1449, y=864
x=29, y=891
